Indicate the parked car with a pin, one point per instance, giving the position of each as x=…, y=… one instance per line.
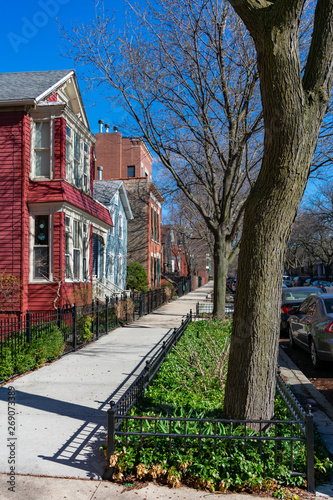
x=321, y=283
x=292, y=297
x=287, y=280
x=310, y=326
x=231, y=284
x=308, y=282
x=299, y=280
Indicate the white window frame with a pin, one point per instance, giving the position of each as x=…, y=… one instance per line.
x=120, y=226
x=120, y=270
x=82, y=248
x=112, y=215
x=33, y=173
x=82, y=164
x=111, y=264
x=69, y=157
x=33, y=216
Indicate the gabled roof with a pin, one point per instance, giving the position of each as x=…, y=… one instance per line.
x=32, y=88
x=30, y=85
x=104, y=191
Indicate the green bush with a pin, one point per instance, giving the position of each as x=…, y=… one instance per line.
x=136, y=277
x=47, y=343
x=84, y=328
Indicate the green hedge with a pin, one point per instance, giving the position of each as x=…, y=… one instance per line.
x=46, y=345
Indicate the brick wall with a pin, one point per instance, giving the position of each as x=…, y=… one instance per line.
x=115, y=153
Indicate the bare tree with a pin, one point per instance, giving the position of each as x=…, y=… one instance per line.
x=185, y=71
x=312, y=234
x=294, y=102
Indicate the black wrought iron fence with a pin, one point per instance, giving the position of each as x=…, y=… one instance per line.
x=204, y=309
x=182, y=432
x=79, y=325
x=184, y=286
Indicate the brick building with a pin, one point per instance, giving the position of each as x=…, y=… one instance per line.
x=129, y=159
x=48, y=213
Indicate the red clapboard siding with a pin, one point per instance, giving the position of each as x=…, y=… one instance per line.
x=41, y=296
x=53, y=97
x=59, y=148
x=11, y=182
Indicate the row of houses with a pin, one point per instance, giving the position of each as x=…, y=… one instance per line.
x=75, y=208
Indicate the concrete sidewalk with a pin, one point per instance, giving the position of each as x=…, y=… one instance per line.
x=61, y=415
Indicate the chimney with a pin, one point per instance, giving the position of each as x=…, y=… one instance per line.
x=115, y=129
x=107, y=127
x=100, y=122
x=100, y=173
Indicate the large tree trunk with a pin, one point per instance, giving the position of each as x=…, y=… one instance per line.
x=292, y=120
x=221, y=261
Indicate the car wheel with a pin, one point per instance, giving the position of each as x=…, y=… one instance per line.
x=314, y=354
x=291, y=338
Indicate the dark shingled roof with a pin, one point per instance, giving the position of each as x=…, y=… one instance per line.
x=105, y=190
x=29, y=84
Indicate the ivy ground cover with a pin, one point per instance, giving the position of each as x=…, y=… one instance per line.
x=187, y=395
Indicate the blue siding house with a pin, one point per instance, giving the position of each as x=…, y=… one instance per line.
x=110, y=261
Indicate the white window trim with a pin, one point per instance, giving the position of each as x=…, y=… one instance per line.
x=84, y=174
x=33, y=175
x=120, y=226
x=32, y=219
x=111, y=257
x=120, y=270
x=82, y=222
x=112, y=215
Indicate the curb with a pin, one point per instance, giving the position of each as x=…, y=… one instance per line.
x=322, y=410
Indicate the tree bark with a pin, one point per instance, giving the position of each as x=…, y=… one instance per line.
x=221, y=261
x=292, y=116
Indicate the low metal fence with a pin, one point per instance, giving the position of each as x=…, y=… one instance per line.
x=184, y=286
x=204, y=309
x=184, y=432
x=102, y=317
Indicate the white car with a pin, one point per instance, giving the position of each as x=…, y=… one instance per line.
x=287, y=280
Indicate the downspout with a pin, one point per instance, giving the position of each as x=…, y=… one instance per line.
x=24, y=208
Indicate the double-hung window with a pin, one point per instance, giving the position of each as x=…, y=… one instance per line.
x=120, y=270
x=85, y=252
x=69, y=154
x=42, y=149
x=77, y=228
x=86, y=167
x=76, y=248
x=41, y=259
x=77, y=161
x=68, y=267
x=120, y=227
x=112, y=213
x=110, y=269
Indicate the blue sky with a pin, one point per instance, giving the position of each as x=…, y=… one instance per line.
x=30, y=42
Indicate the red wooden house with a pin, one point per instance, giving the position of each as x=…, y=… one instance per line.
x=48, y=213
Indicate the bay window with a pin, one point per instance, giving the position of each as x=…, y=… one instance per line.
x=77, y=159
x=76, y=248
